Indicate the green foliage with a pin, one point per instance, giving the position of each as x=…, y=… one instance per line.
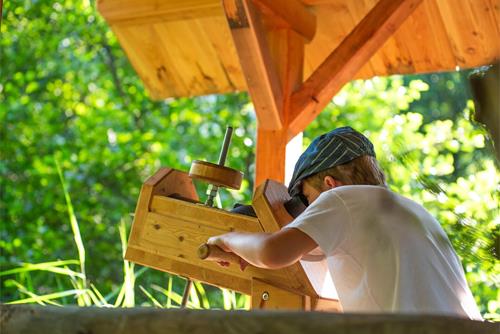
x=69, y=95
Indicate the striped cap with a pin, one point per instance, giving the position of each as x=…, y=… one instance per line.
x=331, y=149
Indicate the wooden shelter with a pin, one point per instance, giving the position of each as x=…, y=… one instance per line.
x=268, y=47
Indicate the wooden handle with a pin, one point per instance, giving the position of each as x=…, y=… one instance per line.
x=215, y=253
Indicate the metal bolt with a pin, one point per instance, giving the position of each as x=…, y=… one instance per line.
x=265, y=295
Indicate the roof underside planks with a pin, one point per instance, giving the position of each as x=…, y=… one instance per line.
x=184, y=47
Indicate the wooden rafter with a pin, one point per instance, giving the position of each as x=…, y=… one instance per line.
x=260, y=73
x=271, y=55
x=346, y=60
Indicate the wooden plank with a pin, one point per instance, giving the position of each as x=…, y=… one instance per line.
x=132, y=12
x=161, y=183
x=268, y=202
x=150, y=60
x=472, y=32
x=38, y=319
x=190, y=212
x=345, y=61
x=205, y=275
x=291, y=14
x=330, y=33
x=435, y=49
x=267, y=296
x=217, y=32
x=260, y=72
x=415, y=54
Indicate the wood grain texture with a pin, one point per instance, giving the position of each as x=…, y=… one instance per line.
x=248, y=35
x=347, y=59
x=287, y=52
x=165, y=182
x=220, y=176
x=184, y=48
x=270, y=297
x=167, y=233
x=139, y=11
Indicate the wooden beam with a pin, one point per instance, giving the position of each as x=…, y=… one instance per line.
x=272, y=59
x=287, y=51
x=141, y=11
x=291, y=14
x=37, y=319
x=260, y=73
x=346, y=60
x=270, y=156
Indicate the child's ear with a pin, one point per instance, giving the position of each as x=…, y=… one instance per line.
x=330, y=183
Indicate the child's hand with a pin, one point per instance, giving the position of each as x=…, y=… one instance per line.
x=218, y=241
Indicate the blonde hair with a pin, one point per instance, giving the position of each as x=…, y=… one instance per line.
x=362, y=170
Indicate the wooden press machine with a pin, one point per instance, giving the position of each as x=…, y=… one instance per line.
x=170, y=224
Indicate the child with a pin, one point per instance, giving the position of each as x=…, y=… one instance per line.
x=385, y=252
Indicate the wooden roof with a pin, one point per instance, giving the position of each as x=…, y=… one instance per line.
x=184, y=47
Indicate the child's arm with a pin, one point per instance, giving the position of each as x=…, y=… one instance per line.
x=267, y=250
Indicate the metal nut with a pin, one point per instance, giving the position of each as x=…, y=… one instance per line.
x=265, y=295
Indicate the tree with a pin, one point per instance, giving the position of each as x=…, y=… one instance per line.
x=68, y=94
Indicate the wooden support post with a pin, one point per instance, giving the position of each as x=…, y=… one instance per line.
x=287, y=51
x=347, y=59
x=270, y=155
x=271, y=55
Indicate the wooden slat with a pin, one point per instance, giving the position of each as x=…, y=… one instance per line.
x=150, y=60
x=290, y=14
x=219, y=35
x=345, y=61
x=260, y=73
x=195, y=61
x=206, y=275
x=431, y=44
x=466, y=35
x=160, y=184
x=327, y=38
x=133, y=12
x=189, y=212
x=471, y=31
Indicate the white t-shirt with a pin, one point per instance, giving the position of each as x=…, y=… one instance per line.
x=386, y=253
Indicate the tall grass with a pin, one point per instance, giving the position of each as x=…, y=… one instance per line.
x=86, y=293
